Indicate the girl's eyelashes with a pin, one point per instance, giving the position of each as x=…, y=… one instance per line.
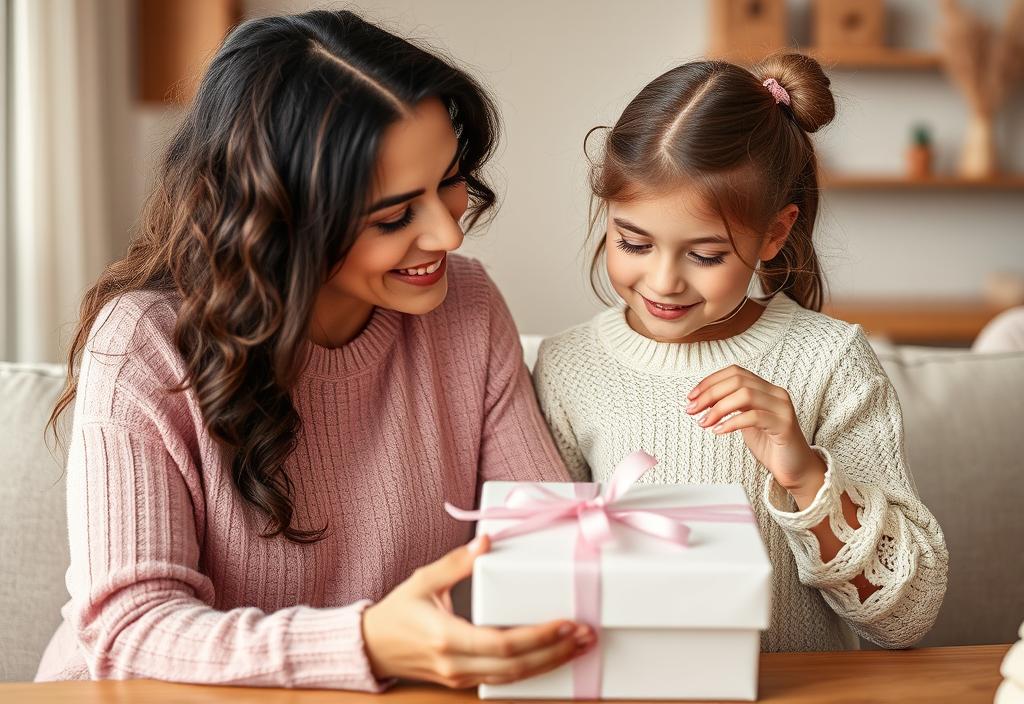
x=630, y=248
x=707, y=261
x=408, y=214
x=697, y=259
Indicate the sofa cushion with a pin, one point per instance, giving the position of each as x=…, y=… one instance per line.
x=33, y=521
x=962, y=413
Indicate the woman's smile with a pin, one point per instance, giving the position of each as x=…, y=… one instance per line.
x=424, y=274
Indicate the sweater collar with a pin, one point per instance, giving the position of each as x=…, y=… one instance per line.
x=693, y=358
x=368, y=348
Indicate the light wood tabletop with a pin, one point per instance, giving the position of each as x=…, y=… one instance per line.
x=963, y=675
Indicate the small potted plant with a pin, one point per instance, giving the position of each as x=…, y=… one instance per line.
x=919, y=155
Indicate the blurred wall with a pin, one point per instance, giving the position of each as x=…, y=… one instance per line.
x=560, y=67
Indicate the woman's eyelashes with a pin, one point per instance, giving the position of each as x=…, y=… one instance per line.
x=395, y=225
x=408, y=214
x=697, y=259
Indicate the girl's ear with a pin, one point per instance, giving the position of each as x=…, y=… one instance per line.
x=778, y=232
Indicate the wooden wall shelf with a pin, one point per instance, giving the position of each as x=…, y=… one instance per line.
x=865, y=182
x=877, y=59
x=851, y=59
x=923, y=322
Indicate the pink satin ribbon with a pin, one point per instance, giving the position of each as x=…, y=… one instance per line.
x=538, y=508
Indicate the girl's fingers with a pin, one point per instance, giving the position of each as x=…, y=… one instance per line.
x=744, y=399
x=762, y=420
x=715, y=392
x=712, y=379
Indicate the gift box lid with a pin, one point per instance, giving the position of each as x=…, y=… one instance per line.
x=722, y=579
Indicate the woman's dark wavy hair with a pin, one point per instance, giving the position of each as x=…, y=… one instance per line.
x=257, y=201
x=713, y=125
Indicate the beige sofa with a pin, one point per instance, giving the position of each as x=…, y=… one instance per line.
x=964, y=442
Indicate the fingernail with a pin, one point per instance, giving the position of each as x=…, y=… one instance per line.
x=565, y=629
x=474, y=544
x=691, y=406
x=693, y=392
x=704, y=422
x=584, y=636
x=718, y=429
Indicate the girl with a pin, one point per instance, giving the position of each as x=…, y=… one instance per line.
x=281, y=383
x=707, y=181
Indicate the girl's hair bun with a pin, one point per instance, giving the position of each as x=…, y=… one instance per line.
x=810, y=96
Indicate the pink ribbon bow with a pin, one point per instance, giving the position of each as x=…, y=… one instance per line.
x=539, y=508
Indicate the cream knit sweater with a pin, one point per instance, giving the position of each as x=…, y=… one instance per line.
x=607, y=391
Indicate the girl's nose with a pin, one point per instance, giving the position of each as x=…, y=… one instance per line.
x=666, y=279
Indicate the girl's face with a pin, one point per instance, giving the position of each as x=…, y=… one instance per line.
x=398, y=259
x=669, y=258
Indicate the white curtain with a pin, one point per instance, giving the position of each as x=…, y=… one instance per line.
x=55, y=236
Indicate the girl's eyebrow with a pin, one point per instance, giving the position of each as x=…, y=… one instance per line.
x=388, y=201
x=624, y=224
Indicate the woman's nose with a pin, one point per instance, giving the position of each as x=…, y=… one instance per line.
x=441, y=230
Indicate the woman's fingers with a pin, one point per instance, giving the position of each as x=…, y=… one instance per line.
x=446, y=572
x=500, y=670
x=443, y=600
x=411, y=632
x=466, y=639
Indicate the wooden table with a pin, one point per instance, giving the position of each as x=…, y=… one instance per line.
x=962, y=675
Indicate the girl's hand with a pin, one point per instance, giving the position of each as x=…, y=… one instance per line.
x=765, y=415
x=413, y=634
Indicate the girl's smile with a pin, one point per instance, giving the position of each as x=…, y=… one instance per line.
x=666, y=311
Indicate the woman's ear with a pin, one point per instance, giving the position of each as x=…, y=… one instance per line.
x=778, y=232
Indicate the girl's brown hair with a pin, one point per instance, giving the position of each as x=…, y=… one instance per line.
x=259, y=197
x=714, y=125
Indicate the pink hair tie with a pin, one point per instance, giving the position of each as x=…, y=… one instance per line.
x=778, y=92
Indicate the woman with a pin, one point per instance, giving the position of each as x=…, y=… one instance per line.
x=288, y=374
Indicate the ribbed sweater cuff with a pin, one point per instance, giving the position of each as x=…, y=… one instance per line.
x=326, y=650
x=781, y=505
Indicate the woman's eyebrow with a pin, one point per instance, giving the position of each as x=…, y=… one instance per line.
x=624, y=224
x=389, y=201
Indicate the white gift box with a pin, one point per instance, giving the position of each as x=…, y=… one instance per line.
x=675, y=622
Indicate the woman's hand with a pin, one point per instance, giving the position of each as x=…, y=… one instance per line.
x=765, y=415
x=413, y=634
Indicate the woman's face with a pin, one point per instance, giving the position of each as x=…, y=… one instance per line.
x=398, y=259
x=670, y=259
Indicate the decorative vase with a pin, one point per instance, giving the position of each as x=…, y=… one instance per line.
x=978, y=159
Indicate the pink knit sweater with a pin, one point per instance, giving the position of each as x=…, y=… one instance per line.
x=169, y=578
